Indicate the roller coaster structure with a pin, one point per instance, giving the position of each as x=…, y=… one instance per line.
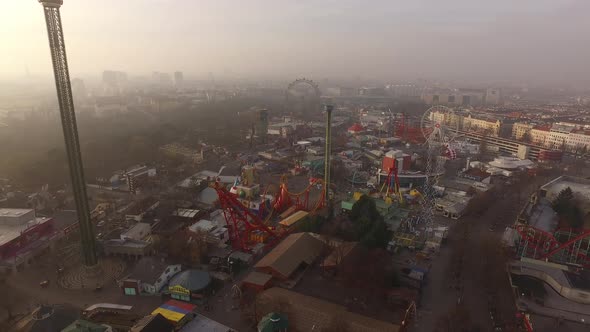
x=564, y=246
x=242, y=222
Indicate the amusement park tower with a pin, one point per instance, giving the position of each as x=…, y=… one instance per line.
x=328, y=109
x=68, y=121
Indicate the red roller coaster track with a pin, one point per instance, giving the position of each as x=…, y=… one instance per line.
x=563, y=246
x=241, y=221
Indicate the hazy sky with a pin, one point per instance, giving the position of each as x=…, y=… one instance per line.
x=388, y=39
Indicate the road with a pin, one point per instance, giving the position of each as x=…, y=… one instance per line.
x=467, y=271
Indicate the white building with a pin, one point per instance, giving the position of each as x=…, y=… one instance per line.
x=539, y=136
x=578, y=140
x=215, y=233
x=149, y=275
x=138, y=232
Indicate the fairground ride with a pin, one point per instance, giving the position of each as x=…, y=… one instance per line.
x=564, y=246
x=247, y=228
x=439, y=127
x=303, y=97
x=406, y=128
x=391, y=187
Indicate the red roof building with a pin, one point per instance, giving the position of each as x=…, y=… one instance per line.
x=355, y=129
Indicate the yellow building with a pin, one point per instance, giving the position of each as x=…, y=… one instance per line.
x=482, y=125
x=519, y=129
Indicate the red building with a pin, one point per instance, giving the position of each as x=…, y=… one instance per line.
x=550, y=156
x=402, y=161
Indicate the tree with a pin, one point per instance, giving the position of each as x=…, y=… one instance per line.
x=483, y=145
x=567, y=208
x=312, y=224
x=526, y=137
x=368, y=225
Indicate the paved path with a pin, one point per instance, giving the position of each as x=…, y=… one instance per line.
x=438, y=298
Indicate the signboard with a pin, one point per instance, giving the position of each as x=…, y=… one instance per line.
x=179, y=290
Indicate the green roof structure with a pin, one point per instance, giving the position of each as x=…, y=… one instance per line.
x=273, y=322
x=81, y=325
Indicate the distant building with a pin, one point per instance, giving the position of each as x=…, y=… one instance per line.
x=492, y=96
x=372, y=91
x=520, y=129
x=403, y=90
x=79, y=91
x=464, y=97
x=161, y=78
x=562, y=136
x=113, y=81
x=491, y=126
x=178, y=79
x=109, y=106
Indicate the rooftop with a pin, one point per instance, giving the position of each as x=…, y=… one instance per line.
x=510, y=162
x=579, y=186
x=202, y=323
x=137, y=231
x=202, y=225
x=153, y=323
x=15, y=213
x=257, y=278
x=310, y=313
x=286, y=257
x=148, y=269
x=193, y=280
x=84, y=326
x=186, y=213
x=295, y=217
x=174, y=311
x=11, y=232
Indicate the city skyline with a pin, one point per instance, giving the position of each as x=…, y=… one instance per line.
x=458, y=40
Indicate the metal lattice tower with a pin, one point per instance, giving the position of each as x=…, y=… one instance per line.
x=328, y=148
x=68, y=120
x=439, y=127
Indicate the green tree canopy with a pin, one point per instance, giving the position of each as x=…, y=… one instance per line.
x=568, y=209
x=369, y=228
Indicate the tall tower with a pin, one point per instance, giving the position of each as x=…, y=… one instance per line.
x=68, y=121
x=328, y=109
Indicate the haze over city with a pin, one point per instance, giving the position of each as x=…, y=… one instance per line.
x=534, y=41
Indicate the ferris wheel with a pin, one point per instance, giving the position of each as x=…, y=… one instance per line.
x=440, y=126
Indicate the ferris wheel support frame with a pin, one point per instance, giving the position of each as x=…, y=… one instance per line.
x=437, y=135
